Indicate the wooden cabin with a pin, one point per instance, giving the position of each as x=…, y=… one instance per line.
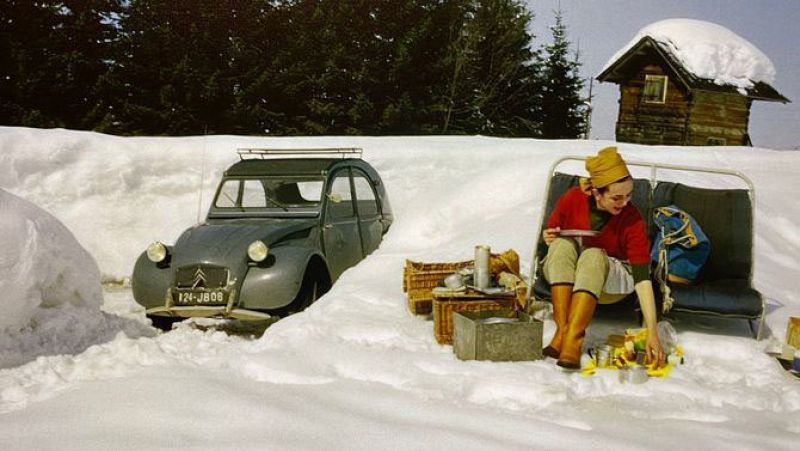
x=663, y=103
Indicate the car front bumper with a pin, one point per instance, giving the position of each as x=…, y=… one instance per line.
x=205, y=311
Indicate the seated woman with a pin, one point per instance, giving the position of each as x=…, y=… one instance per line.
x=603, y=268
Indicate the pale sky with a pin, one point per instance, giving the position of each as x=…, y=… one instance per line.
x=601, y=27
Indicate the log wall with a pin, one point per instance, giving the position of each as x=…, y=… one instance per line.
x=696, y=118
x=652, y=123
x=716, y=115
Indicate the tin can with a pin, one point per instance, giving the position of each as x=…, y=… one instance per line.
x=482, y=274
x=624, y=375
x=638, y=375
x=674, y=359
x=641, y=357
x=602, y=356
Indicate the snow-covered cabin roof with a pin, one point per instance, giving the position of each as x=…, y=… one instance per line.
x=703, y=55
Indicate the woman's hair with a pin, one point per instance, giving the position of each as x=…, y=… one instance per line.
x=605, y=188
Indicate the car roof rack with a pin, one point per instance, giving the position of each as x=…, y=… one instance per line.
x=257, y=153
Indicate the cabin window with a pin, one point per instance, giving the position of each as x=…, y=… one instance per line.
x=712, y=141
x=655, y=88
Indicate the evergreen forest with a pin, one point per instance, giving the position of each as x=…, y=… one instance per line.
x=288, y=67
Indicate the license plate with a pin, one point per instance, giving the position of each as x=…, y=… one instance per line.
x=199, y=297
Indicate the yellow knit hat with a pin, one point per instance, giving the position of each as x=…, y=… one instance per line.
x=606, y=168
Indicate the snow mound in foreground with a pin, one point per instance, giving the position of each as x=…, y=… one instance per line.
x=42, y=263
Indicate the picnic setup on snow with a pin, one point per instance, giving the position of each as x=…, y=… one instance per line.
x=284, y=224
x=697, y=256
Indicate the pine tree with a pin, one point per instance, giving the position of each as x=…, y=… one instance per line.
x=494, y=72
x=415, y=36
x=180, y=65
x=52, y=54
x=563, y=108
x=269, y=66
x=362, y=67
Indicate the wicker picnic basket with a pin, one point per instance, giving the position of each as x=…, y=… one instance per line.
x=420, y=278
x=445, y=304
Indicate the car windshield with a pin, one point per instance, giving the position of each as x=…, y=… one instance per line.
x=282, y=193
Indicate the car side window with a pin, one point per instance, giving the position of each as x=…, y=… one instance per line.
x=253, y=194
x=310, y=191
x=340, y=199
x=365, y=196
x=227, y=194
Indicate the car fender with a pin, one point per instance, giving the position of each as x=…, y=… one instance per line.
x=150, y=281
x=275, y=283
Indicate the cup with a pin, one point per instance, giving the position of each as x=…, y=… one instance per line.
x=601, y=355
x=454, y=281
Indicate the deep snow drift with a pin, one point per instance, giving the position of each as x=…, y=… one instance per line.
x=42, y=263
x=50, y=289
x=356, y=370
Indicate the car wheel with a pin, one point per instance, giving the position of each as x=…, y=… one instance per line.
x=315, y=284
x=163, y=322
x=309, y=291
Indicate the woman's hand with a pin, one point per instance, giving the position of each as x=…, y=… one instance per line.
x=550, y=234
x=653, y=349
x=655, y=354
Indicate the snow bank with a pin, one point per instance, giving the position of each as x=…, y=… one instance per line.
x=50, y=295
x=708, y=51
x=43, y=266
x=356, y=370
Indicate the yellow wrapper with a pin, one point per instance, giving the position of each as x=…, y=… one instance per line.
x=619, y=354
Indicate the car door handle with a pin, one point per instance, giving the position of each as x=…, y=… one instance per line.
x=328, y=226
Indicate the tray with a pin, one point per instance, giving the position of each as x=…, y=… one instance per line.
x=578, y=233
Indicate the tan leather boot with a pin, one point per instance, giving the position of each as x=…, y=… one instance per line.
x=581, y=310
x=561, y=295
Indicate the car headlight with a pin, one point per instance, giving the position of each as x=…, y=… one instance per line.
x=257, y=251
x=156, y=252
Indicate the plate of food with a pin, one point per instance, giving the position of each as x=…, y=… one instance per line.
x=578, y=233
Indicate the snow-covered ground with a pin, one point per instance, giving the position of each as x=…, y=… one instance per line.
x=356, y=370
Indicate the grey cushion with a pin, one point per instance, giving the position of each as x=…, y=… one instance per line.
x=725, y=215
x=734, y=298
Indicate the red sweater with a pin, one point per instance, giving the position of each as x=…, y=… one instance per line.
x=624, y=236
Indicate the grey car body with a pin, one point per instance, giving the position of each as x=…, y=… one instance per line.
x=316, y=216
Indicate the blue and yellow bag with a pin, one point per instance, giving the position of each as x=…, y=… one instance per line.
x=680, y=249
x=680, y=246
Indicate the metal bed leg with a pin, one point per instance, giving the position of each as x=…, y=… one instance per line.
x=760, y=326
x=761, y=320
